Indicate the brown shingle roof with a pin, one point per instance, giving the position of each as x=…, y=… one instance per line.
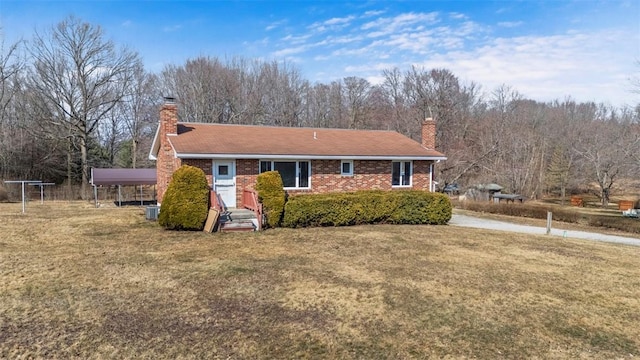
x=255, y=141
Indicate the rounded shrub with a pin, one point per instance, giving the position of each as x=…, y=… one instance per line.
x=272, y=196
x=186, y=202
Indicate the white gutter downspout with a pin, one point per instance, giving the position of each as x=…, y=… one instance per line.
x=431, y=177
x=432, y=186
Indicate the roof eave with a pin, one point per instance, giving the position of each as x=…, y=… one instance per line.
x=155, y=146
x=308, y=157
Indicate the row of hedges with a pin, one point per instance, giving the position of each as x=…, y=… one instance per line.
x=615, y=222
x=522, y=210
x=367, y=207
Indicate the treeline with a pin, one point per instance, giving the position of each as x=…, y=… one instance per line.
x=70, y=99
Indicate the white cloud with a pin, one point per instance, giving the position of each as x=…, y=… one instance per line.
x=375, y=79
x=339, y=21
x=372, y=13
x=351, y=52
x=290, y=51
x=274, y=25
x=510, y=24
x=458, y=16
x=334, y=40
x=586, y=66
x=296, y=39
x=401, y=22
x=333, y=24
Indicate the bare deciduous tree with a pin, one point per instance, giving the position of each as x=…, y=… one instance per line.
x=139, y=109
x=356, y=93
x=603, y=147
x=10, y=66
x=81, y=75
x=393, y=85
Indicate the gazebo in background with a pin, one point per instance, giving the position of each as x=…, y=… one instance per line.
x=123, y=177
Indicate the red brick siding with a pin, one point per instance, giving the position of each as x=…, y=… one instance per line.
x=429, y=134
x=367, y=175
x=421, y=177
x=325, y=175
x=205, y=165
x=246, y=173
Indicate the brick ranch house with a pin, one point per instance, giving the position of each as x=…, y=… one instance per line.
x=309, y=160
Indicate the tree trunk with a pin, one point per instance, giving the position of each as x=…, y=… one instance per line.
x=134, y=149
x=605, y=197
x=69, y=177
x=85, y=167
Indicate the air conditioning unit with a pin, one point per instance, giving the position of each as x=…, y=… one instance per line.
x=152, y=212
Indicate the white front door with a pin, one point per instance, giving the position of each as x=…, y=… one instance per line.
x=225, y=182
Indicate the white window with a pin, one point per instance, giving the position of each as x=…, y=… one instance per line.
x=401, y=173
x=346, y=168
x=295, y=174
x=265, y=166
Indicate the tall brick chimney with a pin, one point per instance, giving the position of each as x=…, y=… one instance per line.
x=166, y=162
x=429, y=133
x=169, y=116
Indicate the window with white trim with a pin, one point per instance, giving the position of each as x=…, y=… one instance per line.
x=346, y=168
x=295, y=174
x=265, y=166
x=401, y=172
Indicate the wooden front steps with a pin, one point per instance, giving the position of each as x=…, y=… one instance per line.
x=238, y=220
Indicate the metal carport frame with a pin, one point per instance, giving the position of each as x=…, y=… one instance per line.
x=119, y=176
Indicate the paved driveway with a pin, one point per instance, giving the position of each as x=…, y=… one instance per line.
x=474, y=222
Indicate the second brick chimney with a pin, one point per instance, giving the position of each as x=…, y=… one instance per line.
x=429, y=133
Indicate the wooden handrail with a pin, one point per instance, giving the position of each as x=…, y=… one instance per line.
x=215, y=202
x=250, y=201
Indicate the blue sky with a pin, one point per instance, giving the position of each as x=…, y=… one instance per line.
x=546, y=50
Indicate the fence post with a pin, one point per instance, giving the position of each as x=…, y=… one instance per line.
x=549, y=217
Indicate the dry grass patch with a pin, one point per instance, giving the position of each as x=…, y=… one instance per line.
x=81, y=282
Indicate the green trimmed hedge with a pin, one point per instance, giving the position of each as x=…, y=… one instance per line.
x=523, y=210
x=186, y=202
x=367, y=207
x=272, y=196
